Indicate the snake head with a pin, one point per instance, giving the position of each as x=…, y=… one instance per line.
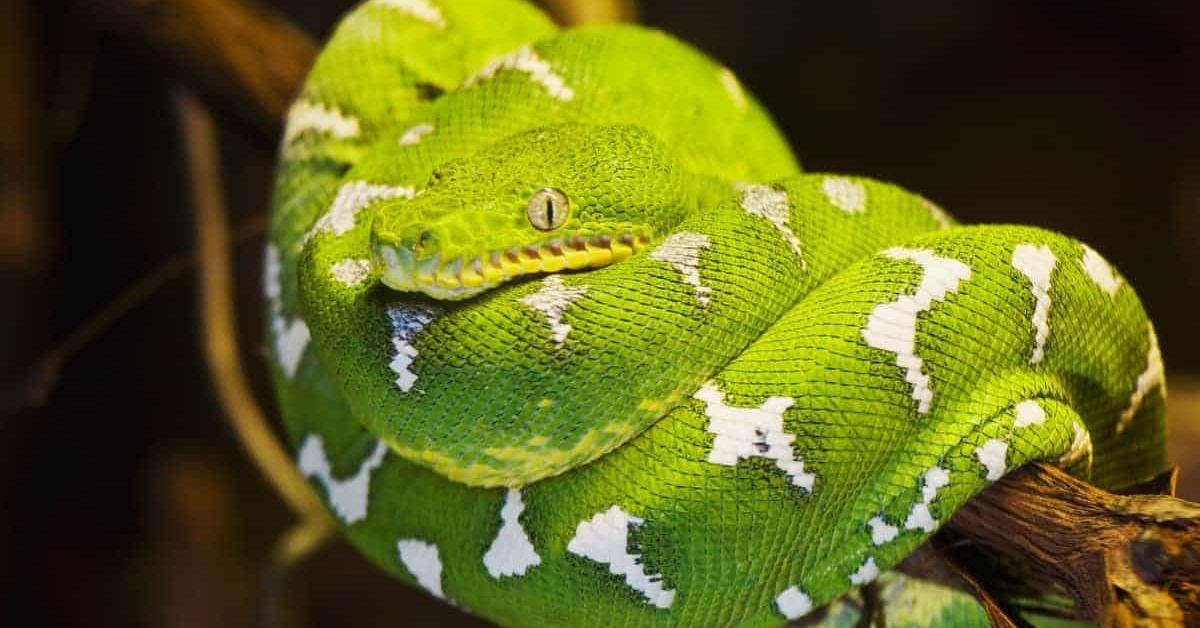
x=566, y=197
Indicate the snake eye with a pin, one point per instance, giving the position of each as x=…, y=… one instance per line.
x=548, y=209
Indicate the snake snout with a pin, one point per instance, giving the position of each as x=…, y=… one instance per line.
x=420, y=242
x=457, y=255
x=416, y=260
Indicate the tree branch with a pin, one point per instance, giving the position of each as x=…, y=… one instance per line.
x=243, y=60
x=1125, y=560
x=576, y=12
x=220, y=321
x=247, y=62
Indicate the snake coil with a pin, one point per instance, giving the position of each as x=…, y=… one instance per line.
x=564, y=335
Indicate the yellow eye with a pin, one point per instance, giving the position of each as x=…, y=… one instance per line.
x=548, y=209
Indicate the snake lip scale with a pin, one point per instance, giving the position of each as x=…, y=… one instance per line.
x=462, y=278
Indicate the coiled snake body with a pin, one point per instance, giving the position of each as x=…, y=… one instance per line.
x=564, y=336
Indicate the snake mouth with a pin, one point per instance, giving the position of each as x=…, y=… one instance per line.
x=464, y=277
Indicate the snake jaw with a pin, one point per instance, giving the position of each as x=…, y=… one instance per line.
x=462, y=278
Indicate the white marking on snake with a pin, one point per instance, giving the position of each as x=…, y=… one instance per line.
x=524, y=59
x=605, y=539
x=416, y=133
x=919, y=518
x=747, y=432
x=1148, y=381
x=1037, y=264
x=291, y=340
x=511, y=554
x=422, y=561
x=552, y=300
x=682, y=250
x=306, y=116
x=793, y=603
x=1101, y=273
x=845, y=194
x=272, y=269
x=732, y=85
x=352, y=198
x=1029, y=413
x=866, y=573
x=771, y=204
x=291, y=336
x=1081, y=445
x=882, y=531
x=993, y=455
x=893, y=326
x=348, y=497
x=419, y=9
x=407, y=321
x=351, y=272
x=943, y=219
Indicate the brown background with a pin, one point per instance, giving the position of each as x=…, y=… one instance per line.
x=124, y=499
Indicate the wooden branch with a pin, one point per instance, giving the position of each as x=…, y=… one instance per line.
x=244, y=61
x=1125, y=560
x=577, y=12
x=218, y=315
x=23, y=151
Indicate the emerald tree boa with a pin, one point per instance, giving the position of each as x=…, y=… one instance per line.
x=563, y=334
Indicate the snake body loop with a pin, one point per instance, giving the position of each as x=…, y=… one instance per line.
x=565, y=336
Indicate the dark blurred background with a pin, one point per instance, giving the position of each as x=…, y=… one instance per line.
x=124, y=498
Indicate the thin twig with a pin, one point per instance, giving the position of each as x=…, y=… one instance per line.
x=47, y=371
x=219, y=322
x=300, y=541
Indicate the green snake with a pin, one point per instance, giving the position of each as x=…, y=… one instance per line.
x=563, y=334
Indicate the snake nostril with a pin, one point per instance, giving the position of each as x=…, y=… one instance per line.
x=421, y=241
x=427, y=240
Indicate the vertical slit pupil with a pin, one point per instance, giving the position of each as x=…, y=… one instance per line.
x=549, y=211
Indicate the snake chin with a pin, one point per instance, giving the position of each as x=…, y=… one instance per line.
x=462, y=278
